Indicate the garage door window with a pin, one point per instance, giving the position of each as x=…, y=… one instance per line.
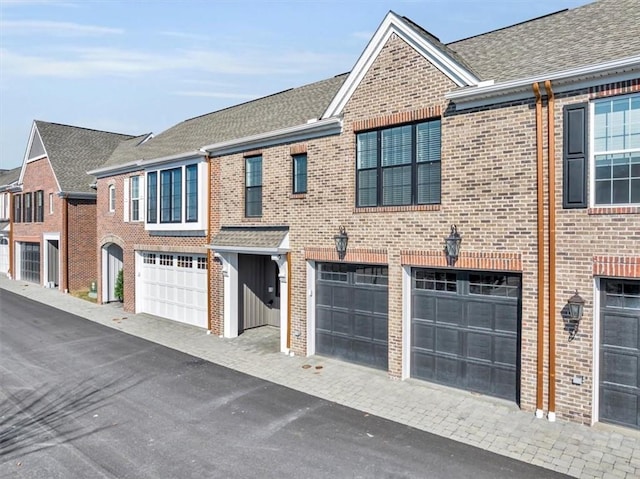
x=435, y=280
x=494, y=285
x=372, y=275
x=622, y=295
x=149, y=258
x=333, y=272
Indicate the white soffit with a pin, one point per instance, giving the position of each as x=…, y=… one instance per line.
x=391, y=24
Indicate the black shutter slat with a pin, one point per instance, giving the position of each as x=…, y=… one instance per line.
x=575, y=156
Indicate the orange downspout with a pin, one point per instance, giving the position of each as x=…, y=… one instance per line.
x=209, y=268
x=540, y=299
x=552, y=251
x=289, y=279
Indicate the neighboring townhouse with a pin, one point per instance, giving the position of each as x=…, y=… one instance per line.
x=54, y=211
x=527, y=139
x=158, y=205
x=8, y=181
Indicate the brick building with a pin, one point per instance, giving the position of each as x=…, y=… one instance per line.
x=53, y=230
x=8, y=181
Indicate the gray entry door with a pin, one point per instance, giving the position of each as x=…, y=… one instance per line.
x=53, y=262
x=620, y=352
x=258, y=292
x=465, y=330
x=114, y=265
x=352, y=313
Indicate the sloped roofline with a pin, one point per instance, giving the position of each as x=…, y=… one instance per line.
x=34, y=130
x=394, y=24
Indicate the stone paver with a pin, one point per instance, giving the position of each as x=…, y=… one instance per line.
x=491, y=424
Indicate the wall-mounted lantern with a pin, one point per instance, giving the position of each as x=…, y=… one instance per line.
x=576, y=309
x=452, y=246
x=341, y=239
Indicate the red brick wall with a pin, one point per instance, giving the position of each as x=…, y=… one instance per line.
x=82, y=240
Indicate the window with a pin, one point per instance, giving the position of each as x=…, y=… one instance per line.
x=136, y=196
x=300, y=173
x=152, y=197
x=17, y=208
x=112, y=198
x=171, y=196
x=39, y=206
x=28, y=207
x=399, y=165
x=192, y=193
x=435, y=280
x=185, y=261
x=616, y=150
x=166, y=260
x=149, y=258
x=253, y=186
x=50, y=203
x=202, y=262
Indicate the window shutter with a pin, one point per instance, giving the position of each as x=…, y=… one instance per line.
x=125, y=207
x=575, y=156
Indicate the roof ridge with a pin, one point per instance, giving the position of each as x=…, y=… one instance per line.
x=87, y=129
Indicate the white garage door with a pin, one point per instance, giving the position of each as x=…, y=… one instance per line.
x=4, y=254
x=173, y=286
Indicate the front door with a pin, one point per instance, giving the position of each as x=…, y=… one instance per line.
x=53, y=263
x=112, y=268
x=258, y=292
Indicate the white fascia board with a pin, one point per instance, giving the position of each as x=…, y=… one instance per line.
x=247, y=250
x=189, y=155
x=390, y=25
x=115, y=170
x=142, y=163
x=307, y=131
x=76, y=195
x=566, y=80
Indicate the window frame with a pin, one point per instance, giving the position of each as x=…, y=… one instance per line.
x=39, y=206
x=17, y=208
x=112, y=198
x=50, y=203
x=27, y=207
x=295, y=174
x=414, y=165
x=135, y=201
x=253, y=189
x=593, y=153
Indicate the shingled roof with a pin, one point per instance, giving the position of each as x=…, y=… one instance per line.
x=9, y=176
x=599, y=32
x=281, y=110
x=72, y=151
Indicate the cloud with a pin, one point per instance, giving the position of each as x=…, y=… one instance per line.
x=186, y=36
x=217, y=94
x=93, y=62
x=362, y=35
x=29, y=27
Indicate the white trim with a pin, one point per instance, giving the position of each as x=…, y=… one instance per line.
x=595, y=383
x=248, y=250
x=45, y=256
x=283, y=271
x=112, y=198
x=142, y=163
x=406, y=322
x=125, y=200
x=311, y=308
x=229, y=294
x=393, y=24
x=292, y=134
x=573, y=79
x=139, y=295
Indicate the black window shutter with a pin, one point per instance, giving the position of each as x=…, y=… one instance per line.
x=575, y=156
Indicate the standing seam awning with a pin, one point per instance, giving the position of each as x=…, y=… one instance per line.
x=251, y=240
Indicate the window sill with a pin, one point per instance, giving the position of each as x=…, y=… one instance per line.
x=297, y=196
x=614, y=210
x=252, y=219
x=396, y=209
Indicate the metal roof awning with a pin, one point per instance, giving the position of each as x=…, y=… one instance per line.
x=251, y=240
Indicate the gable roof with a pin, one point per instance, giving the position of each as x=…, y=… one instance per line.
x=289, y=108
x=72, y=151
x=599, y=32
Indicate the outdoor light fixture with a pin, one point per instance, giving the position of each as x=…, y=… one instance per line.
x=341, y=239
x=452, y=246
x=576, y=308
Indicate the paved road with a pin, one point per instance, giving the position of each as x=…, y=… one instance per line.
x=78, y=400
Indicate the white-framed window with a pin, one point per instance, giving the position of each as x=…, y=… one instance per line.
x=112, y=198
x=175, y=197
x=616, y=151
x=50, y=203
x=136, y=191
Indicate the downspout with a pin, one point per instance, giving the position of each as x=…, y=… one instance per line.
x=289, y=279
x=209, y=268
x=11, y=213
x=551, y=145
x=540, y=295
x=65, y=235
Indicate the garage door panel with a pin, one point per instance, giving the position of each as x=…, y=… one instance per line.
x=449, y=310
x=479, y=377
x=621, y=331
x=448, y=341
x=351, y=313
x=423, y=365
x=506, y=317
x=480, y=314
x=620, y=407
x=505, y=350
x=447, y=369
x=424, y=307
x=620, y=369
x=423, y=334
x=503, y=381
x=480, y=346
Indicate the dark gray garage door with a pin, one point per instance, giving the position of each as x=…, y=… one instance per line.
x=620, y=352
x=465, y=330
x=30, y=262
x=351, y=313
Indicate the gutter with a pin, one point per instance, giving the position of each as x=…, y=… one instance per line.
x=540, y=272
x=247, y=250
x=307, y=131
x=142, y=163
x=77, y=195
x=519, y=89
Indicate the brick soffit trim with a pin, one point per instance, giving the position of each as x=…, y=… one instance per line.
x=496, y=261
x=616, y=88
x=617, y=266
x=397, y=118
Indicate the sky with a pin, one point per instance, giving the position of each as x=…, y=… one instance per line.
x=139, y=66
